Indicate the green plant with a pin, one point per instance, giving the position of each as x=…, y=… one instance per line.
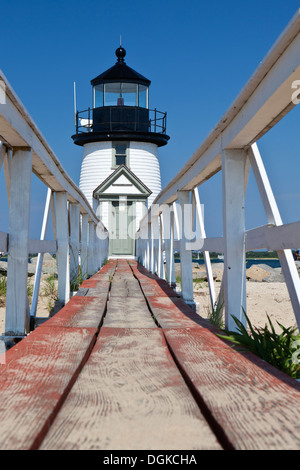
x=275, y=348
x=50, y=291
x=215, y=316
x=3, y=286
x=198, y=281
x=77, y=280
x=3, y=289
x=29, y=291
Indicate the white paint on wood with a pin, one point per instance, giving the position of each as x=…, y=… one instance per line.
x=19, y=130
x=168, y=223
x=264, y=100
x=183, y=199
x=285, y=256
x=39, y=264
x=7, y=166
x=16, y=320
x=84, y=244
x=233, y=171
x=161, y=268
x=62, y=256
x=74, y=241
x=91, y=261
x=3, y=242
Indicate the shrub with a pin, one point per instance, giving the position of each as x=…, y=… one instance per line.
x=277, y=349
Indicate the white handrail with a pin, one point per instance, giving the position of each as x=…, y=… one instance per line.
x=23, y=151
x=231, y=147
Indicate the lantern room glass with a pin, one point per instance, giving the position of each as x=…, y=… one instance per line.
x=120, y=94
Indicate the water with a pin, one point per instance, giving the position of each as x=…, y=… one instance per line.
x=273, y=263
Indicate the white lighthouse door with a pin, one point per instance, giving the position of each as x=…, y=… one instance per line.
x=121, y=241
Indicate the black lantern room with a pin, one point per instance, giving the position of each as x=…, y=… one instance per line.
x=120, y=109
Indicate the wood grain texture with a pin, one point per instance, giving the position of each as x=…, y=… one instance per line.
x=130, y=395
x=80, y=312
x=171, y=314
x=35, y=380
x=128, y=312
x=256, y=405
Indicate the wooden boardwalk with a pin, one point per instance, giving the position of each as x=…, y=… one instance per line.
x=126, y=364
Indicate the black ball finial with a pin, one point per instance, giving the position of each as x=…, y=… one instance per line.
x=120, y=53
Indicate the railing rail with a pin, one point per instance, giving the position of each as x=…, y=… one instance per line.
x=23, y=151
x=231, y=148
x=156, y=121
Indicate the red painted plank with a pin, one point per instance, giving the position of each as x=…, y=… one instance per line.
x=130, y=395
x=255, y=405
x=172, y=312
x=35, y=380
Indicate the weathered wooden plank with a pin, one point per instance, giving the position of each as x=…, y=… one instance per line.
x=128, y=312
x=255, y=406
x=173, y=312
x=35, y=380
x=130, y=395
x=80, y=312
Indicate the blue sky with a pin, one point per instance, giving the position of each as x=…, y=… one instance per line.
x=197, y=54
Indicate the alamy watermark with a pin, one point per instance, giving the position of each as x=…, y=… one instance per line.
x=182, y=224
x=296, y=93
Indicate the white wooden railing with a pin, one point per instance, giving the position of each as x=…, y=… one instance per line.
x=232, y=148
x=80, y=239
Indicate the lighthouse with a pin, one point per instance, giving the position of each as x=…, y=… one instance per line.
x=120, y=136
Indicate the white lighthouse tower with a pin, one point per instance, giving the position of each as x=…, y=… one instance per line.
x=120, y=136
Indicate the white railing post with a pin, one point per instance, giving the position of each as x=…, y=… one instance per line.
x=84, y=244
x=160, y=260
x=166, y=218
x=186, y=262
x=233, y=172
x=154, y=243
x=148, y=246
x=74, y=240
x=96, y=251
x=91, y=261
x=62, y=255
x=39, y=264
x=17, y=317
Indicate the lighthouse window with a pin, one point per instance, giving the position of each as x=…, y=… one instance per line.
x=121, y=94
x=98, y=96
x=143, y=96
x=120, y=154
x=129, y=93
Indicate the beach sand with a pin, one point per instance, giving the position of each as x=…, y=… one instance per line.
x=262, y=298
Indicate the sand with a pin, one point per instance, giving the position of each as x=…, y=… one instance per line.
x=262, y=298
x=43, y=309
